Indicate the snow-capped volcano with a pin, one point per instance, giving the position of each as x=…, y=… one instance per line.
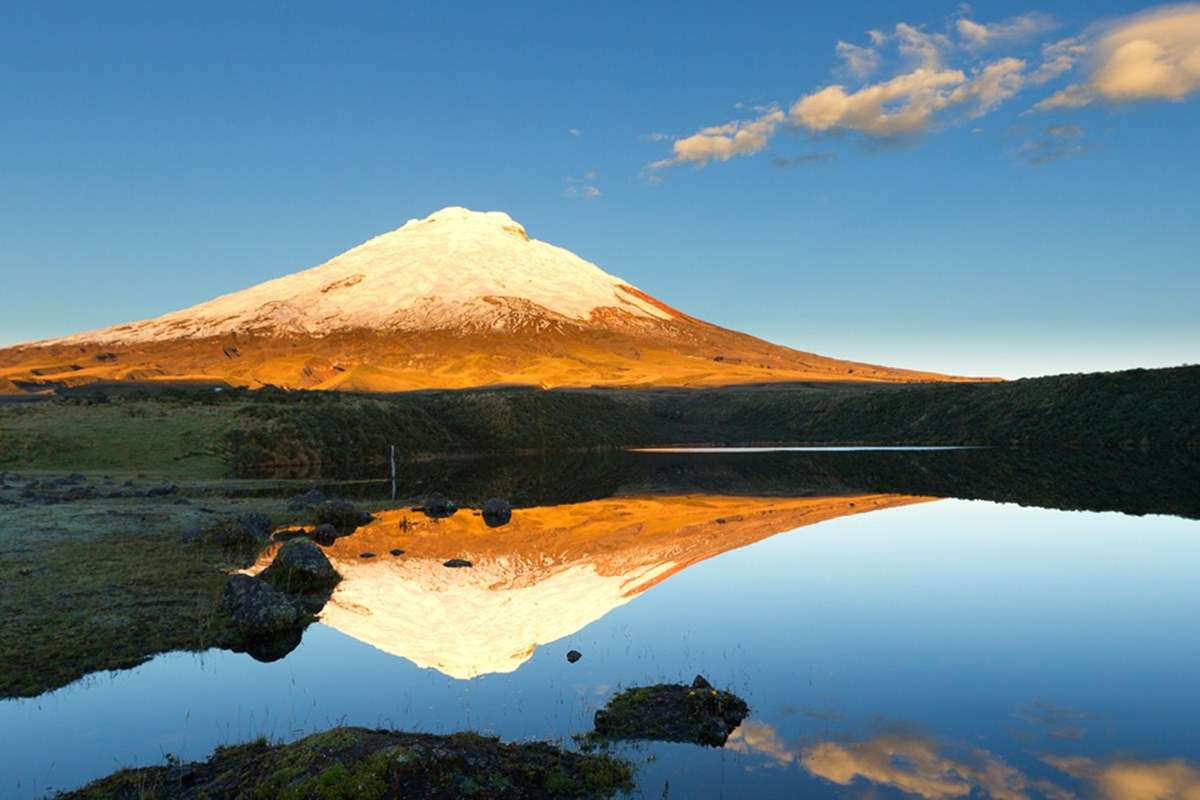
x=455, y=269
x=460, y=298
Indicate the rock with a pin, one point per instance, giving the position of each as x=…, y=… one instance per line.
x=183, y=501
x=366, y=555
x=343, y=516
x=438, y=507
x=496, y=512
x=162, y=491
x=574, y=655
x=324, y=534
x=76, y=477
x=257, y=609
x=244, y=532
x=671, y=712
x=79, y=493
x=396, y=551
x=458, y=563
x=313, y=497
x=301, y=566
x=193, y=533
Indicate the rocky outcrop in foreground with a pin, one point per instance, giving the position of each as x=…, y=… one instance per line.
x=672, y=712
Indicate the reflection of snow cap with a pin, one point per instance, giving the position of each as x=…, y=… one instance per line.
x=550, y=572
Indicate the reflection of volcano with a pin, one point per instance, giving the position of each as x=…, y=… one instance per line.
x=550, y=572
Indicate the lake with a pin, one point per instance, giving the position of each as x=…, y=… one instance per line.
x=936, y=624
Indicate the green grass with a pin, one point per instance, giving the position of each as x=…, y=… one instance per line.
x=158, y=437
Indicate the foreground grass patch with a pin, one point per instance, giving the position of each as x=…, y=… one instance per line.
x=372, y=765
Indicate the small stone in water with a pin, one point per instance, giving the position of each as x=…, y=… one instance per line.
x=574, y=655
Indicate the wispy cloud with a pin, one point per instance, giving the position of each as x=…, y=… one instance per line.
x=804, y=160
x=575, y=132
x=1015, y=29
x=1055, y=143
x=583, y=187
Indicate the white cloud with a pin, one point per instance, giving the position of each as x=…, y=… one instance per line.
x=575, y=131
x=1150, y=56
x=921, y=48
x=903, y=105
x=723, y=142
x=994, y=84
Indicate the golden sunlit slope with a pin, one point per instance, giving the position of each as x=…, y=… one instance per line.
x=458, y=299
x=547, y=574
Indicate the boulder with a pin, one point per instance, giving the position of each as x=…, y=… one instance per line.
x=574, y=655
x=300, y=566
x=496, y=512
x=439, y=507
x=343, y=516
x=458, y=563
x=313, y=497
x=244, y=532
x=257, y=609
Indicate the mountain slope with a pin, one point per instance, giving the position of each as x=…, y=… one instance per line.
x=458, y=299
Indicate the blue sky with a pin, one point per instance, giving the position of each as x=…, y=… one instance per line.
x=1037, y=218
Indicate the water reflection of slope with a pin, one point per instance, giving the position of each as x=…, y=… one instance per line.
x=549, y=573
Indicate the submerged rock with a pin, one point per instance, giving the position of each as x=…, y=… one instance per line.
x=301, y=566
x=496, y=512
x=343, y=516
x=256, y=609
x=671, y=712
x=362, y=763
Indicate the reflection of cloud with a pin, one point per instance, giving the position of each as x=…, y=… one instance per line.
x=1150, y=56
x=759, y=737
x=1134, y=780
x=1057, y=722
x=917, y=765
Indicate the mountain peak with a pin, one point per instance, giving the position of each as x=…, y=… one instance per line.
x=457, y=215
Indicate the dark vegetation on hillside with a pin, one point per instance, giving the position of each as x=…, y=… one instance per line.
x=244, y=433
x=328, y=433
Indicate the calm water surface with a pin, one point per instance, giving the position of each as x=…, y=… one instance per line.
x=889, y=643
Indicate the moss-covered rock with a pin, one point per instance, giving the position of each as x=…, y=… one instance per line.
x=672, y=712
x=361, y=764
x=301, y=566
